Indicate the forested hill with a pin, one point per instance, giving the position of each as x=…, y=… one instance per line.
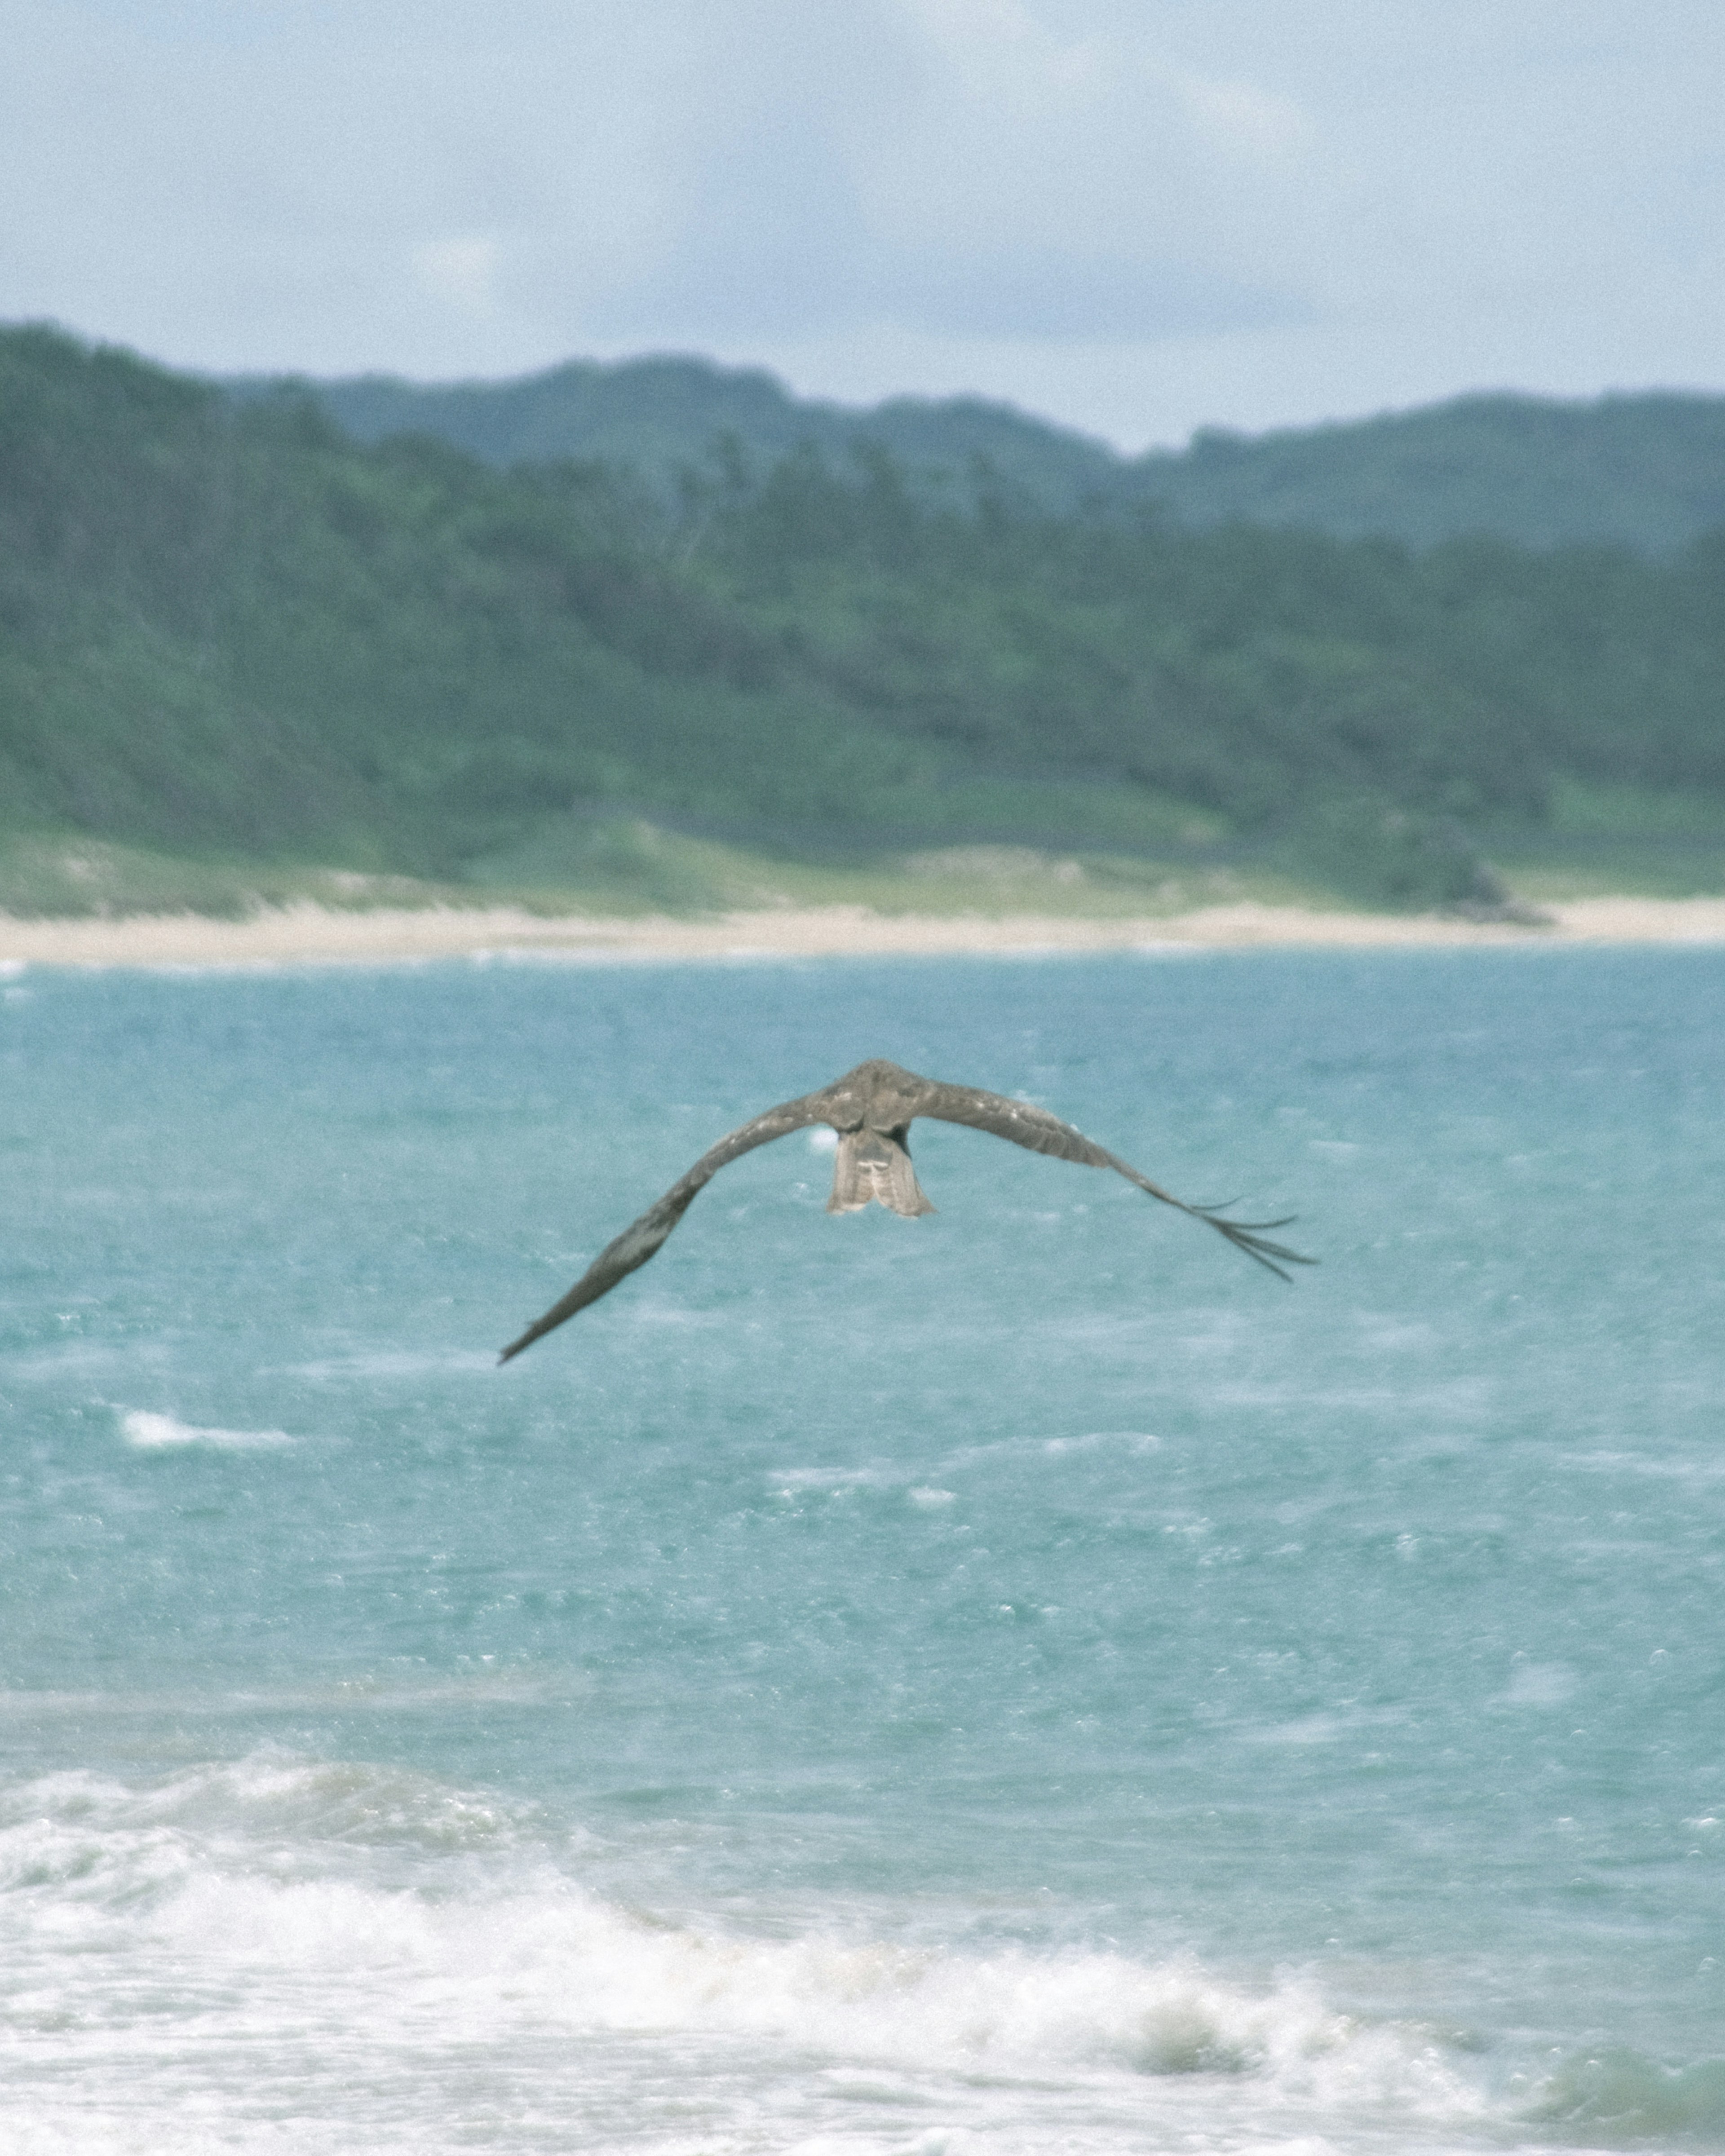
x=235, y=630
x=1645, y=471
x=662, y=417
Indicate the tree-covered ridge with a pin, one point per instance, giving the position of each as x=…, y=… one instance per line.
x=1646, y=471
x=233, y=628
x=661, y=416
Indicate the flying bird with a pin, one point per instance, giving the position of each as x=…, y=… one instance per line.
x=872, y=1108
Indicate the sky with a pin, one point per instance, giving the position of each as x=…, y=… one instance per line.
x=1136, y=219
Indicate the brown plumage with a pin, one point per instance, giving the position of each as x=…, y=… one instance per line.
x=872, y=1108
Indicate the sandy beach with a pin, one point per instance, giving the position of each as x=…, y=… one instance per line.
x=306, y=934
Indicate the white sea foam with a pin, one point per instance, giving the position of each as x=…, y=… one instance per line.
x=246, y=1945
x=151, y=1432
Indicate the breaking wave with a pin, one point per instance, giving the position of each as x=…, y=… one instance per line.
x=372, y=1935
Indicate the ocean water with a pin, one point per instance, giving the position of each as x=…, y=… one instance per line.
x=1023, y=1681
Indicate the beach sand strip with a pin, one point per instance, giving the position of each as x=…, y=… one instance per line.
x=306, y=934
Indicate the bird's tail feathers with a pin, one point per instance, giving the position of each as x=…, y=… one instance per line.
x=874, y=1169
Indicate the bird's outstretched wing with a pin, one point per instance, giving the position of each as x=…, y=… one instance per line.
x=1042, y=1132
x=642, y=1237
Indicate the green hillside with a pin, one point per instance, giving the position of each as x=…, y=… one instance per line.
x=1647, y=472
x=233, y=639
x=1644, y=471
x=662, y=416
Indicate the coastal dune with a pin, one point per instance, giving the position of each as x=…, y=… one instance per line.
x=305, y=934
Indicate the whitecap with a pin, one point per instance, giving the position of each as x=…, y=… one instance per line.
x=1539, y=1684
x=151, y=1432
x=797, y=1479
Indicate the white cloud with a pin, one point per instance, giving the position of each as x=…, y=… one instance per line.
x=1240, y=117
x=1138, y=214
x=459, y=271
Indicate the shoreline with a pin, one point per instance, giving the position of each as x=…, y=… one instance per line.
x=305, y=934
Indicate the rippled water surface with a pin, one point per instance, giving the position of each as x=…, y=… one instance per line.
x=1022, y=1680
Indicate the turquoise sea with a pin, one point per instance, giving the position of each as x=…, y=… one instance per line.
x=1022, y=1680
